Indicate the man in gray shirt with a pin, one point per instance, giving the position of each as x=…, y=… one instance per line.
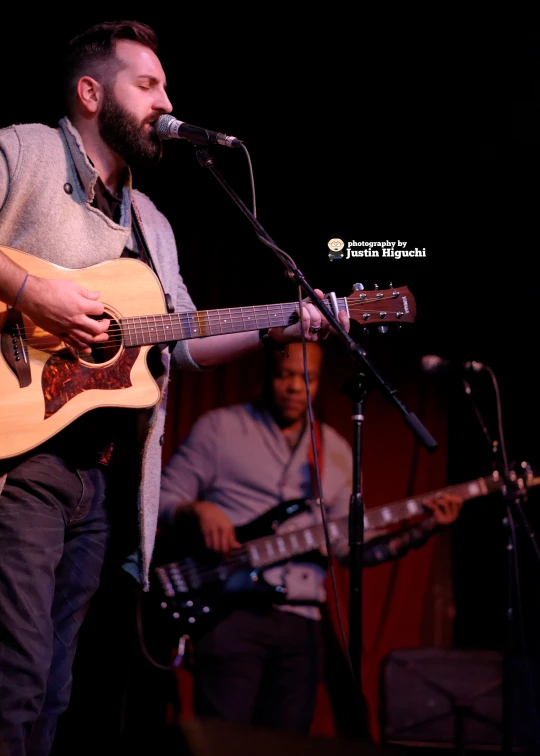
x=262, y=661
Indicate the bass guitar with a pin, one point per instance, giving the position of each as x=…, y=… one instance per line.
x=195, y=590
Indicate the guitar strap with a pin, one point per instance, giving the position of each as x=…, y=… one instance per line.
x=144, y=253
x=140, y=238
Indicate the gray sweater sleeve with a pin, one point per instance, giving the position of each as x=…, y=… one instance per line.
x=9, y=160
x=191, y=470
x=3, y=179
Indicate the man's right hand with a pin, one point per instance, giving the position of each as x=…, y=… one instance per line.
x=64, y=308
x=217, y=529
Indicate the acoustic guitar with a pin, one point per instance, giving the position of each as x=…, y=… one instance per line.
x=45, y=384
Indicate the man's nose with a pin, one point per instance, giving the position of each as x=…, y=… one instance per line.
x=163, y=103
x=296, y=383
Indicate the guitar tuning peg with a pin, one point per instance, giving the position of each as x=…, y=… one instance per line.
x=358, y=287
x=527, y=470
x=366, y=330
x=375, y=286
x=382, y=328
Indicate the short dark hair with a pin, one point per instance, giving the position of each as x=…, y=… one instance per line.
x=93, y=52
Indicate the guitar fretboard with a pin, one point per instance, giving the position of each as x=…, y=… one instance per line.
x=275, y=548
x=177, y=326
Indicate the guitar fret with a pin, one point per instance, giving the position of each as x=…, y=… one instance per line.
x=413, y=507
x=166, y=328
x=280, y=543
x=475, y=489
x=333, y=530
x=294, y=542
x=225, y=324
x=372, y=520
x=196, y=325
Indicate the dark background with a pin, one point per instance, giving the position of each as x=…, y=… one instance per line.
x=364, y=132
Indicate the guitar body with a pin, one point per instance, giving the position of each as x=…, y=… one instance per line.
x=202, y=591
x=267, y=523
x=63, y=385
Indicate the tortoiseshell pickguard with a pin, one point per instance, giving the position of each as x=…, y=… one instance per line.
x=64, y=377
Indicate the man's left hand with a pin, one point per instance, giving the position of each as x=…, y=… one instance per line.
x=316, y=327
x=445, y=507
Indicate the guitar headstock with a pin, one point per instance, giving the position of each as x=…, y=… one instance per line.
x=524, y=477
x=384, y=306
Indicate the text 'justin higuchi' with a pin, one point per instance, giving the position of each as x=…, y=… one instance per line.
x=396, y=249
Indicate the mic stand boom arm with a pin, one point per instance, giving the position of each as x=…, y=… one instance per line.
x=366, y=379
x=427, y=440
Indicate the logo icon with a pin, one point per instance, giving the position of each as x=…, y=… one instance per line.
x=336, y=248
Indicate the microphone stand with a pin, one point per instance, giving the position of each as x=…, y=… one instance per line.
x=514, y=494
x=357, y=389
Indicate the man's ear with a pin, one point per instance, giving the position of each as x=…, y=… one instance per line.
x=89, y=93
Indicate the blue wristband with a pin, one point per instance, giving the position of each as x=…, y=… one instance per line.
x=20, y=290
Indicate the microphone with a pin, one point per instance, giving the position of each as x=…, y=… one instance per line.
x=433, y=364
x=168, y=127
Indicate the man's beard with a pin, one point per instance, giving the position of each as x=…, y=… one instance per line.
x=120, y=131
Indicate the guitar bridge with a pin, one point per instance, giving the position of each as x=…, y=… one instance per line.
x=14, y=351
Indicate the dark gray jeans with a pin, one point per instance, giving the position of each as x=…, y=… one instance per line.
x=54, y=531
x=259, y=667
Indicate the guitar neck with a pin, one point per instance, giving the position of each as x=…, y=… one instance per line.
x=177, y=326
x=269, y=550
x=391, y=514
x=275, y=548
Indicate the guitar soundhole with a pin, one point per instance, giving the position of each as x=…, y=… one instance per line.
x=107, y=350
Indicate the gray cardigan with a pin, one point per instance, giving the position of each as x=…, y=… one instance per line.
x=46, y=190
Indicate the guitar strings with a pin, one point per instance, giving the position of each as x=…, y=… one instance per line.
x=173, y=321
x=239, y=558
